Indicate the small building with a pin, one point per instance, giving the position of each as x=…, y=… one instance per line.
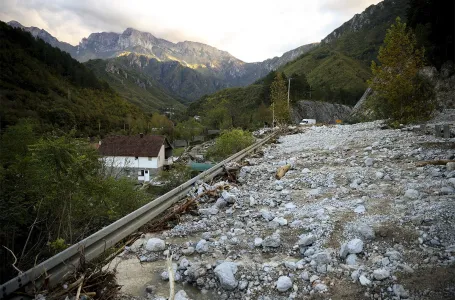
x=138, y=156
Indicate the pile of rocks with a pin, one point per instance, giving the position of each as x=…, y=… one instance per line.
x=353, y=214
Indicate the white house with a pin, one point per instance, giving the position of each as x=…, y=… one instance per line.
x=139, y=155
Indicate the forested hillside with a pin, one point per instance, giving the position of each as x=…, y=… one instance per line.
x=339, y=67
x=43, y=83
x=135, y=86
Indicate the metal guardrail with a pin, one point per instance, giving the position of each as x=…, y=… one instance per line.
x=68, y=260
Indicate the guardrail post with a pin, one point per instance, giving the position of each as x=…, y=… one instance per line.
x=447, y=131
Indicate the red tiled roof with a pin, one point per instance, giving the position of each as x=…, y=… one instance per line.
x=137, y=146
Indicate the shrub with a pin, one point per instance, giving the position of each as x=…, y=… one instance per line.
x=230, y=142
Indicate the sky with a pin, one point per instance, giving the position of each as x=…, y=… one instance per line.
x=251, y=30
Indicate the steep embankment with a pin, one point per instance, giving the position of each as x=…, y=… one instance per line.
x=323, y=112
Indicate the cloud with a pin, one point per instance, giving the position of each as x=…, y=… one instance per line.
x=250, y=30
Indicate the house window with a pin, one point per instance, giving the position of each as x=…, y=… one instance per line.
x=150, y=158
x=136, y=158
x=140, y=173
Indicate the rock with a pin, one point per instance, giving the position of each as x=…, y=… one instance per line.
x=225, y=273
x=447, y=190
x=411, y=194
x=243, y=284
x=208, y=211
x=220, y=203
x=369, y=162
x=155, y=245
x=355, y=246
x=230, y=198
x=381, y=274
x=273, y=241
x=309, y=252
x=195, y=271
x=365, y=231
x=181, y=295
x=202, y=246
x=253, y=202
x=257, y=242
x=344, y=250
x=351, y=260
x=364, y=281
x=306, y=240
x=165, y=276
x=379, y=175
x=360, y=209
x=355, y=275
x=280, y=220
x=305, y=276
x=283, y=283
x=399, y=291
x=267, y=215
x=393, y=255
x=450, y=166
x=313, y=278
x=320, y=287
x=321, y=257
x=188, y=251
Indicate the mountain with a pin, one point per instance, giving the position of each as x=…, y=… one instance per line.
x=45, y=36
x=45, y=84
x=201, y=69
x=338, y=68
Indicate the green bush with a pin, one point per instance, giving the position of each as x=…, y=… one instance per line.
x=175, y=176
x=230, y=142
x=53, y=194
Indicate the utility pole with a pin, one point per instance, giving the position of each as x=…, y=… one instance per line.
x=273, y=114
x=289, y=90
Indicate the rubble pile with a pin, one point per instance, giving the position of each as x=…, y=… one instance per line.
x=353, y=216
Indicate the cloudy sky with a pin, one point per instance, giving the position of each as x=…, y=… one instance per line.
x=251, y=30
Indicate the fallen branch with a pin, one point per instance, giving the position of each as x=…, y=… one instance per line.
x=15, y=260
x=282, y=171
x=171, y=277
x=78, y=293
x=440, y=162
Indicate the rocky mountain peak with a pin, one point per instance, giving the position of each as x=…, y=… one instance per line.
x=15, y=24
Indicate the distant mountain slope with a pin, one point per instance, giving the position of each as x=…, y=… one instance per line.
x=135, y=86
x=217, y=69
x=41, y=82
x=338, y=68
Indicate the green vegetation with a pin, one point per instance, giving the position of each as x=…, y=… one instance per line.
x=134, y=86
x=174, y=177
x=188, y=129
x=230, y=142
x=401, y=95
x=338, y=68
x=54, y=193
x=278, y=97
x=43, y=83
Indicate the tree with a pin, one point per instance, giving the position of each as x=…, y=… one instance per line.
x=402, y=95
x=300, y=87
x=188, y=129
x=278, y=96
x=230, y=142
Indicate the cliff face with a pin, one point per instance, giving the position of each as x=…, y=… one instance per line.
x=323, y=112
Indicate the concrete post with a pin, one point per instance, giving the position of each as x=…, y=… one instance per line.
x=447, y=131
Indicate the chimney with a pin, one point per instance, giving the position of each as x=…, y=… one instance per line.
x=141, y=135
